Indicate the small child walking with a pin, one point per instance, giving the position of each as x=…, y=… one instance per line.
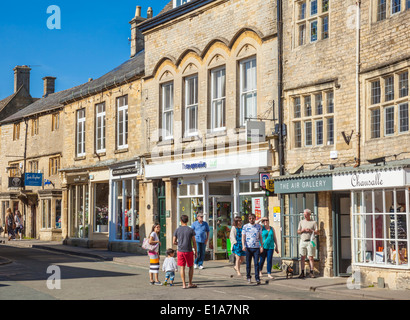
x=169, y=267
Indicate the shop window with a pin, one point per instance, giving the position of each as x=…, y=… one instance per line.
x=58, y=213
x=191, y=201
x=79, y=211
x=101, y=207
x=126, y=210
x=293, y=206
x=46, y=214
x=380, y=227
x=252, y=200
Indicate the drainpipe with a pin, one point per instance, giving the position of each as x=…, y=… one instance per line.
x=358, y=134
x=280, y=80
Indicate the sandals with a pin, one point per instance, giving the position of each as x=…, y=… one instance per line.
x=192, y=286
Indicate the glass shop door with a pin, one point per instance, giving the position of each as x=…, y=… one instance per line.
x=220, y=222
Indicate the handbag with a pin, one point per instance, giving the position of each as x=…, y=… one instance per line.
x=147, y=246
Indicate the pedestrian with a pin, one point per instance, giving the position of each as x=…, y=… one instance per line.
x=270, y=245
x=10, y=225
x=307, y=229
x=201, y=229
x=184, y=238
x=18, y=223
x=251, y=243
x=154, y=255
x=236, y=244
x=170, y=267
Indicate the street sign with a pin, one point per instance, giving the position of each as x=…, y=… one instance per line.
x=270, y=185
x=262, y=178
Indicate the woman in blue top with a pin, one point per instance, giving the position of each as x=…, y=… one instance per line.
x=269, y=245
x=236, y=244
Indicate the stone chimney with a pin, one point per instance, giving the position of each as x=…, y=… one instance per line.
x=22, y=77
x=150, y=13
x=137, y=38
x=49, y=85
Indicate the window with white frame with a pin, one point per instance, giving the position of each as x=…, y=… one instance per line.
x=388, y=112
x=248, y=85
x=80, y=146
x=388, y=8
x=218, y=99
x=191, y=105
x=178, y=3
x=312, y=21
x=122, y=122
x=313, y=126
x=100, y=128
x=167, y=90
x=380, y=227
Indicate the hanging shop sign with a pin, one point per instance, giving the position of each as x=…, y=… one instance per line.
x=33, y=179
x=370, y=179
x=255, y=131
x=304, y=184
x=16, y=182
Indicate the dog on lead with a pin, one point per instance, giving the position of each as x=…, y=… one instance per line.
x=289, y=269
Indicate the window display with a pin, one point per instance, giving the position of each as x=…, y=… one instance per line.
x=79, y=202
x=380, y=227
x=127, y=210
x=101, y=207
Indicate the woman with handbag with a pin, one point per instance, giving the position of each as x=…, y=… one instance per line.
x=269, y=245
x=153, y=254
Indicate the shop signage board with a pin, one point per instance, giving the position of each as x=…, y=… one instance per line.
x=16, y=182
x=270, y=185
x=78, y=178
x=304, y=184
x=33, y=179
x=255, y=131
x=250, y=161
x=369, y=180
x=258, y=207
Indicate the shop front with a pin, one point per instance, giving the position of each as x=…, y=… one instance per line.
x=220, y=188
x=124, y=220
x=88, y=208
x=379, y=205
x=297, y=193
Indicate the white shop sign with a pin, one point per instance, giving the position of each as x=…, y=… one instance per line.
x=369, y=180
x=235, y=161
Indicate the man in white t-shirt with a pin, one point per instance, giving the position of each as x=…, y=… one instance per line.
x=252, y=245
x=307, y=229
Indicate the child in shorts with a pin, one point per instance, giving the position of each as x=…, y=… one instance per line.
x=169, y=267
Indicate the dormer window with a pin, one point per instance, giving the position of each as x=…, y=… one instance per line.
x=178, y=3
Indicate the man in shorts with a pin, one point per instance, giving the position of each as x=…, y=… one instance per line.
x=306, y=228
x=184, y=238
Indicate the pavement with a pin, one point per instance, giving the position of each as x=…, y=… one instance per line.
x=219, y=268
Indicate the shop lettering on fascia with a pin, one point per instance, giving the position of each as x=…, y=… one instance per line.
x=375, y=179
x=304, y=185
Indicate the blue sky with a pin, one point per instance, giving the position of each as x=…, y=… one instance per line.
x=92, y=41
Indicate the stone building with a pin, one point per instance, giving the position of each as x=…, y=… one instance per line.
x=31, y=149
x=210, y=75
x=346, y=100
x=101, y=169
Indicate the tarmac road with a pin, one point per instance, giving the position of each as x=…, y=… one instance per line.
x=83, y=278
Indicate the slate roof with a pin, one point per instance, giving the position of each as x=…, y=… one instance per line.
x=130, y=69
x=134, y=67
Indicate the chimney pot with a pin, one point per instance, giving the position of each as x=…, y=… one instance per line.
x=150, y=13
x=49, y=85
x=138, y=11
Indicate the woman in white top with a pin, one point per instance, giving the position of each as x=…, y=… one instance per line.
x=154, y=255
